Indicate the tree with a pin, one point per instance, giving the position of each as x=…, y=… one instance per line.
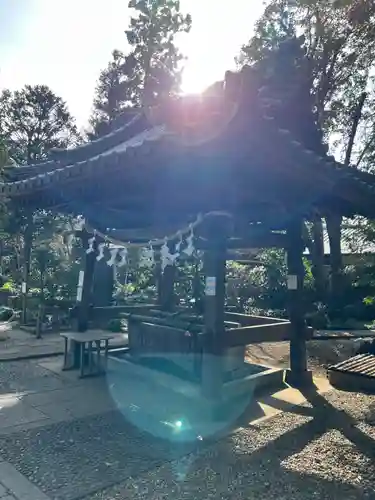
x=152, y=38
x=111, y=96
x=4, y=158
x=275, y=26
x=339, y=44
x=33, y=121
x=340, y=41
x=150, y=70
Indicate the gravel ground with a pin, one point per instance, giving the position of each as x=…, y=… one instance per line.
x=322, y=450
x=71, y=459
x=326, y=451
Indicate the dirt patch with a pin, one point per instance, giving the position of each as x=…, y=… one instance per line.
x=320, y=353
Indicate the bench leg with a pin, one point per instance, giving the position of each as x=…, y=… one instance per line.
x=82, y=363
x=98, y=348
x=106, y=342
x=65, y=353
x=90, y=357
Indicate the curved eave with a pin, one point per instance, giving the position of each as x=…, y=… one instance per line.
x=65, y=157
x=287, y=157
x=115, y=138
x=85, y=169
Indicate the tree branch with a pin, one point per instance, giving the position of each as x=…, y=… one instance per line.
x=364, y=151
x=356, y=119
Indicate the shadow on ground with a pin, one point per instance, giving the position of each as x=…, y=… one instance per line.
x=323, y=449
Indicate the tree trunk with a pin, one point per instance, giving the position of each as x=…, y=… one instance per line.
x=315, y=244
x=40, y=318
x=318, y=258
x=28, y=241
x=334, y=221
x=334, y=234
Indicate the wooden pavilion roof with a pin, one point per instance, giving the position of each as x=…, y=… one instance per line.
x=251, y=148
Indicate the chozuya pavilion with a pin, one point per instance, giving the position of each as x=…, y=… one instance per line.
x=242, y=167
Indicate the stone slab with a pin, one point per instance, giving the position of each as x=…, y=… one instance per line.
x=22, y=345
x=3, y=491
x=58, y=396
x=14, y=429
x=18, y=485
x=20, y=414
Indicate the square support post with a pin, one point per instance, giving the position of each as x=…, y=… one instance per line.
x=167, y=299
x=298, y=375
x=84, y=293
x=103, y=284
x=216, y=232
x=158, y=280
x=87, y=286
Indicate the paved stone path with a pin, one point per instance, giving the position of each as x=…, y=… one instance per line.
x=14, y=486
x=36, y=395
x=17, y=344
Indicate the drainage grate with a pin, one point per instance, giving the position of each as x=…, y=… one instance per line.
x=357, y=373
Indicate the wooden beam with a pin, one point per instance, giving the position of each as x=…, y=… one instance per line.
x=256, y=334
x=256, y=240
x=250, y=320
x=180, y=322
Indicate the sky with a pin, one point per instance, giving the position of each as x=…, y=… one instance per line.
x=65, y=43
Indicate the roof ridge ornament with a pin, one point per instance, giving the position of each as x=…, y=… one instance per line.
x=194, y=119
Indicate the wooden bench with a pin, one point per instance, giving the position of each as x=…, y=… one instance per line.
x=88, y=342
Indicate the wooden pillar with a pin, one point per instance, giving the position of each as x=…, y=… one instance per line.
x=158, y=280
x=167, y=295
x=298, y=375
x=103, y=284
x=216, y=232
x=197, y=290
x=84, y=295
